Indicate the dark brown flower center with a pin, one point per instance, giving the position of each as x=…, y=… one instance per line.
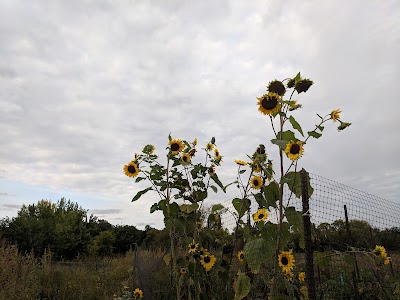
x=269, y=102
x=132, y=169
x=260, y=216
x=216, y=153
x=241, y=256
x=295, y=149
x=185, y=158
x=207, y=259
x=284, y=261
x=175, y=147
x=255, y=182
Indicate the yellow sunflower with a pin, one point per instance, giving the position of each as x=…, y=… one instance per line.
x=269, y=103
x=192, y=247
x=260, y=215
x=240, y=162
x=386, y=260
x=186, y=158
x=302, y=276
x=240, y=256
x=286, y=261
x=335, y=114
x=380, y=251
x=195, y=142
x=294, y=149
x=131, y=169
x=209, y=146
x=176, y=146
x=211, y=170
x=208, y=261
x=217, y=155
x=182, y=271
x=256, y=182
x=138, y=293
x=148, y=149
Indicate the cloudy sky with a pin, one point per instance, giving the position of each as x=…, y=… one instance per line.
x=85, y=84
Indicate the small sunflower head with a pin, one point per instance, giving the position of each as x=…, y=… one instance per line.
x=217, y=154
x=138, y=293
x=293, y=105
x=211, y=170
x=286, y=261
x=240, y=162
x=302, y=276
x=335, y=114
x=386, y=261
x=208, y=261
x=175, y=146
x=380, y=251
x=277, y=87
x=269, y=103
x=294, y=149
x=343, y=125
x=209, y=147
x=261, y=149
x=303, y=85
x=241, y=256
x=131, y=169
x=193, y=247
x=194, y=142
x=186, y=158
x=256, y=182
x=148, y=149
x=261, y=215
x=182, y=271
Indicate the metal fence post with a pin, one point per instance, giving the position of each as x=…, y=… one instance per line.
x=310, y=278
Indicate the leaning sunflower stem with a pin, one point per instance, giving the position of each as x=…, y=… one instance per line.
x=291, y=190
x=160, y=194
x=316, y=127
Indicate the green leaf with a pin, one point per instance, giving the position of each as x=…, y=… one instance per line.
x=214, y=188
x=217, y=207
x=314, y=134
x=293, y=180
x=293, y=216
x=216, y=180
x=188, y=208
x=154, y=208
x=139, y=179
x=224, y=188
x=296, y=125
x=242, y=286
x=256, y=252
x=281, y=143
x=169, y=137
x=321, y=128
x=174, y=209
x=320, y=117
x=271, y=193
x=241, y=205
x=139, y=194
x=213, y=140
x=199, y=195
x=242, y=171
x=297, y=78
x=288, y=135
x=260, y=199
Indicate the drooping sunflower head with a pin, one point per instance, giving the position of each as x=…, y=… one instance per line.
x=182, y=271
x=256, y=182
x=291, y=83
x=335, y=114
x=148, y=149
x=260, y=149
x=303, y=85
x=138, y=293
x=208, y=261
x=261, y=215
x=240, y=162
x=175, y=146
x=194, y=142
x=269, y=103
x=211, y=170
x=380, y=251
x=185, y=158
x=293, y=105
x=302, y=276
x=294, y=149
x=241, y=256
x=286, y=261
x=131, y=169
x=256, y=167
x=192, y=247
x=209, y=147
x=277, y=87
x=217, y=154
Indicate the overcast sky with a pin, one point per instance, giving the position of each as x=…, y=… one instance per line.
x=86, y=84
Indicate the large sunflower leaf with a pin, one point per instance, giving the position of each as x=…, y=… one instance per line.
x=256, y=252
x=281, y=143
x=140, y=193
x=296, y=125
x=217, y=181
x=288, y=135
x=271, y=193
x=217, y=207
x=314, y=134
x=293, y=180
x=242, y=286
x=224, y=188
x=188, y=208
x=241, y=205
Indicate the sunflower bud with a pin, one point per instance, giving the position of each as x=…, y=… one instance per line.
x=303, y=85
x=277, y=87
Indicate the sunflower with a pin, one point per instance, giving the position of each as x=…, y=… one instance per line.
x=269, y=103
x=211, y=170
x=335, y=114
x=286, y=261
x=208, y=261
x=240, y=162
x=277, y=87
x=380, y=251
x=240, y=256
x=182, y=271
x=303, y=85
x=131, y=169
x=386, y=260
x=302, y=276
x=203, y=251
x=148, y=149
x=199, y=225
x=260, y=215
x=192, y=247
x=209, y=146
x=176, y=146
x=138, y=293
x=293, y=105
x=186, y=158
x=294, y=149
x=217, y=155
x=194, y=142
x=256, y=182
x=256, y=167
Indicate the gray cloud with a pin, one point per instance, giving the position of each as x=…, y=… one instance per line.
x=106, y=211
x=84, y=86
x=11, y=206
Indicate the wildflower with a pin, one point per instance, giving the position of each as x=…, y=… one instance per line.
x=131, y=169
x=303, y=85
x=335, y=114
x=269, y=103
x=208, y=261
x=182, y=271
x=380, y=251
x=260, y=215
x=286, y=261
x=148, y=149
x=194, y=142
x=176, y=146
x=386, y=260
x=256, y=167
x=186, y=158
x=302, y=276
x=209, y=146
x=240, y=255
x=217, y=155
x=192, y=247
x=294, y=149
x=240, y=162
x=277, y=87
x=138, y=293
x=256, y=182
